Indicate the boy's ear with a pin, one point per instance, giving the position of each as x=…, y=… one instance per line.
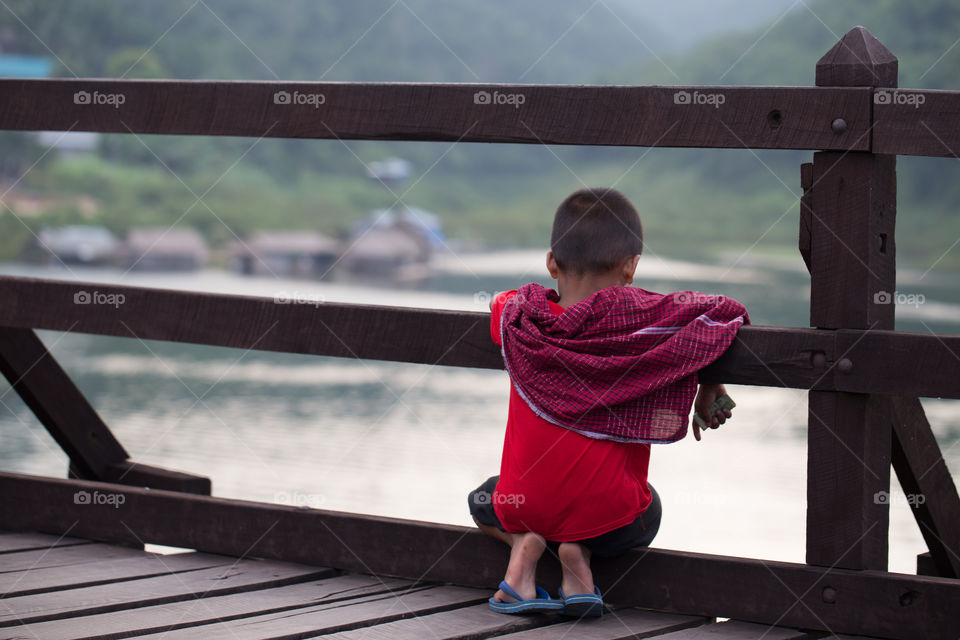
x=630, y=268
x=552, y=265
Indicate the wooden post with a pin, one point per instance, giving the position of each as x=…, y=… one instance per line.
x=853, y=275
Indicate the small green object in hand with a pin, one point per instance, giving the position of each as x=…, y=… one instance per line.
x=723, y=402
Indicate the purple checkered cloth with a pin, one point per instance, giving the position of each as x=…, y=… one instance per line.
x=620, y=365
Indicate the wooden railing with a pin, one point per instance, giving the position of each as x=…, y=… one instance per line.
x=864, y=377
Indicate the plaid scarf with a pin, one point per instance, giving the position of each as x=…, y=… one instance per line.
x=620, y=365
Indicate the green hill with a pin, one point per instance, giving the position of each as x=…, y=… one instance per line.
x=694, y=202
x=924, y=38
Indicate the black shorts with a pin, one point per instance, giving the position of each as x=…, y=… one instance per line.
x=639, y=533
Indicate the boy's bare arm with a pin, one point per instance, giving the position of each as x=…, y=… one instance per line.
x=706, y=396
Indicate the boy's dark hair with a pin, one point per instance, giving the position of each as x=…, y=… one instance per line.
x=594, y=230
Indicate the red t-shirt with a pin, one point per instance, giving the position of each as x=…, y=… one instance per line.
x=559, y=483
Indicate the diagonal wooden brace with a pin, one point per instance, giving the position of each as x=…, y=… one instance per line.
x=927, y=482
x=95, y=454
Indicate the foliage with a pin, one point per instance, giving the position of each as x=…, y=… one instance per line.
x=695, y=202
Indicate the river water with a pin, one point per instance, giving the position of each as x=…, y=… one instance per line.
x=410, y=440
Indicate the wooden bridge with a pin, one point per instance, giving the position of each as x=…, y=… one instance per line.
x=264, y=570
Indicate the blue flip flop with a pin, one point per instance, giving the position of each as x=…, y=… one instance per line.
x=543, y=602
x=583, y=605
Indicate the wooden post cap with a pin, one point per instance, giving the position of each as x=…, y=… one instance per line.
x=857, y=60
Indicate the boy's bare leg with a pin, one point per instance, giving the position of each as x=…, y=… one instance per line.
x=575, y=563
x=525, y=551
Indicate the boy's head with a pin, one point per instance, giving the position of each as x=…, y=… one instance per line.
x=594, y=231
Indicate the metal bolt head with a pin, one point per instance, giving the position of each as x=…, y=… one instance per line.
x=839, y=125
x=845, y=365
x=829, y=595
x=818, y=359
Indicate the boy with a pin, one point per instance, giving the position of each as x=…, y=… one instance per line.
x=599, y=370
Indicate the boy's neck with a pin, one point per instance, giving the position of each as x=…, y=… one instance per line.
x=573, y=289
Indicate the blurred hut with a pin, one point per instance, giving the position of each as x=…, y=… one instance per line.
x=164, y=250
x=396, y=243
x=76, y=244
x=285, y=253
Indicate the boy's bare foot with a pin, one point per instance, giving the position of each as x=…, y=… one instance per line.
x=525, y=551
x=575, y=562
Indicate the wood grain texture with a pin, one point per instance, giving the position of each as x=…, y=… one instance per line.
x=249, y=598
x=737, y=630
x=927, y=483
x=852, y=285
x=343, y=330
x=701, y=116
x=916, y=122
x=898, y=363
x=772, y=356
x=62, y=557
x=854, y=205
x=848, y=470
x=477, y=621
x=11, y=541
x=775, y=357
x=323, y=619
x=867, y=602
x=145, y=475
x=618, y=625
x=102, y=568
x=858, y=59
x=852, y=244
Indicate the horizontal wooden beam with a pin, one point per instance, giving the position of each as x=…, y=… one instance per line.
x=835, y=600
x=136, y=474
x=898, y=363
x=702, y=116
x=916, y=122
x=760, y=355
x=345, y=330
x=856, y=361
x=776, y=357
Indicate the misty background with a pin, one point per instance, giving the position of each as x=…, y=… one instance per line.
x=409, y=440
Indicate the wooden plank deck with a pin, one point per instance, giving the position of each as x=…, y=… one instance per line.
x=68, y=588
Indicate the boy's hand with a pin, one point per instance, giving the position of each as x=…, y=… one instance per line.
x=706, y=396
